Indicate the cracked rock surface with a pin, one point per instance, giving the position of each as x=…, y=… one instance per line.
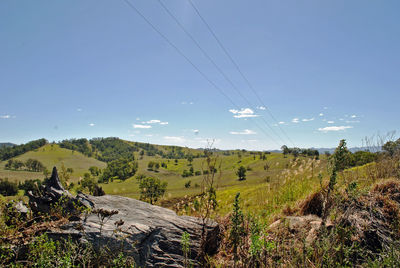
x=150, y=234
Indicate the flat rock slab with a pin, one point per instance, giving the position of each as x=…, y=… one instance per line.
x=150, y=234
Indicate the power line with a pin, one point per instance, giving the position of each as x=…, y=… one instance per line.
x=191, y=63
x=238, y=69
x=214, y=64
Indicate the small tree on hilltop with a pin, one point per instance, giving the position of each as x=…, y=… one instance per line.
x=241, y=173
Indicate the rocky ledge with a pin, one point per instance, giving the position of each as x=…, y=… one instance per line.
x=150, y=234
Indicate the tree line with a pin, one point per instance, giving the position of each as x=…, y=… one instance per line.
x=29, y=165
x=10, y=152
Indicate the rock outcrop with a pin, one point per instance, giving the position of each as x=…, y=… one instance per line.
x=150, y=234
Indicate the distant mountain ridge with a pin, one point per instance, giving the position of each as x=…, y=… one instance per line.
x=331, y=150
x=6, y=144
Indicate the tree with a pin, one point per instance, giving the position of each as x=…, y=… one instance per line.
x=95, y=171
x=156, y=166
x=150, y=165
x=17, y=164
x=241, y=173
x=151, y=189
x=88, y=182
x=120, y=169
x=392, y=147
x=190, y=159
x=8, y=188
x=341, y=157
x=34, y=165
x=285, y=150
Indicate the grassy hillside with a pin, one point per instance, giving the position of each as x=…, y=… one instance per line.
x=52, y=155
x=265, y=191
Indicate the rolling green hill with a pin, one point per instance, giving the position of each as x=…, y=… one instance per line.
x=52, y=155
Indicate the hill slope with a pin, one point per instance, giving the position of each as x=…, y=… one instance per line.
x=52, y=155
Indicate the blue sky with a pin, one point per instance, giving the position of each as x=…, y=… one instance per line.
x=326, y=70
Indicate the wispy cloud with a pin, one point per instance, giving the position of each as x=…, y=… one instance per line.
x=196, y=131
x=175, y=139
x=244, y=132
x=352, y=121
x=155, y=121
x=91, y=124
x=321, y=114
x=6, y=116
x=79, y=110
x=295, y=120
x=261, y=108
x=353, y=116
x=141, y=126
x=243, y=113
x=187, y=102
x=281, y=123
x=334, y=128
x=331, y=122
x=307, y=119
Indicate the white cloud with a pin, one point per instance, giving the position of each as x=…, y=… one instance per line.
x=79, y=110
x=174, y=139
x=308, y=120
x=7, y=116
x=325, y=108
x=321, y=114
x=91, y=124
x=153, y=121
x=281, y=123
x=141, y=126
x=352, y=121
x=244, y=132
x=196, y=131
x=261, y=108
x=137, y=118
x=295, y=120
x=149, y=135
x=331, y=122
x=353, y=116
x=243, y=113
x=334, y=128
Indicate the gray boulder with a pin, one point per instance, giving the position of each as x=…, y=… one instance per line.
x=150, y=234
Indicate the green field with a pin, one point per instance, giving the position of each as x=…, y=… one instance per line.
x=52, y=155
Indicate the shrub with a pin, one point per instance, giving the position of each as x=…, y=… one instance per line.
x=8, y=188
x=151, y=189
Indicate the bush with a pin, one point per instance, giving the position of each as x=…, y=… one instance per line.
x=31, y=185
x=8, y=188
x=151, y=189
